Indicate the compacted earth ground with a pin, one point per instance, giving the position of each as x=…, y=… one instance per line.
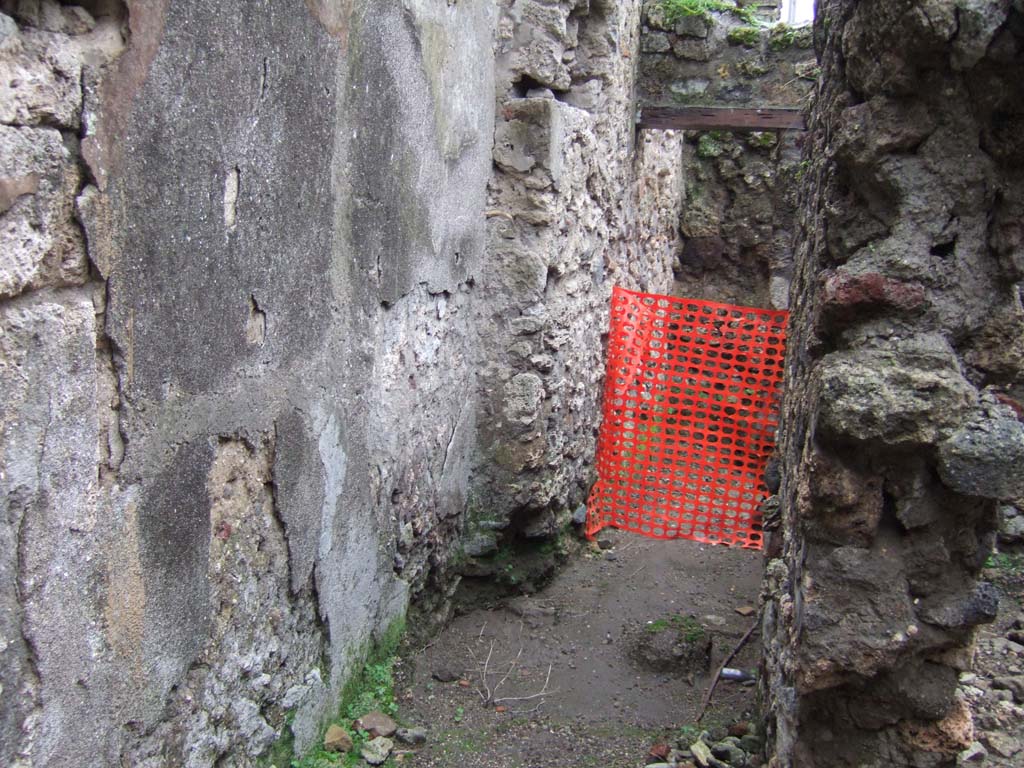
x=609, y=665
x=606, y=663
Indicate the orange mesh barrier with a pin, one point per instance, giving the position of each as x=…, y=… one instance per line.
x=691, y=404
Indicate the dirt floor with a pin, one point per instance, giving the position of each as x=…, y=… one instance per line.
x=554, y=678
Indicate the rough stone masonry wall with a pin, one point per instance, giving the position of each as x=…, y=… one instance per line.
x=740, y=187
x=574, y=207
x=901, y=426
x=239, y=241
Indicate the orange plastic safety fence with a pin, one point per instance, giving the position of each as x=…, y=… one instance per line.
x=691, y=405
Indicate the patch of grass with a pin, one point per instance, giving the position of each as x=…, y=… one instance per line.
x=321, y=758
x=372, y=688
x=688, y=627
x=676, y=10
x=691, y=629
x=658, y=625
x=453, y=743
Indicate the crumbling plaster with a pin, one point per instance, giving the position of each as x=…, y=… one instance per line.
x=206, y=421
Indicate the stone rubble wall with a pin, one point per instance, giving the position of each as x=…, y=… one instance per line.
x=902, y=427
x=281, y=324
x=740, y=187
x=719, y=58
x=574, y=207
x=738, y=216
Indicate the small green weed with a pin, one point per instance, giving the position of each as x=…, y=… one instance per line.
x=1005, y=562
x=459, y=743
x=372, y=688
x=375, y=692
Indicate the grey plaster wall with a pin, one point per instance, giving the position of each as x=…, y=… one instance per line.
x=237, y=358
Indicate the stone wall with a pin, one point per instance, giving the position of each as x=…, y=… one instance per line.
x=740, y=187
x=239, y=245
x=282, y=324
x=738, y=216
x=723, y=59
x=574, y=207
x=901, y=425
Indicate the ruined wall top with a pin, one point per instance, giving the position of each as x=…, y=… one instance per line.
x=730, y=57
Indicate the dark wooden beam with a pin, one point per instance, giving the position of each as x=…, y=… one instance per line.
x=724, y=118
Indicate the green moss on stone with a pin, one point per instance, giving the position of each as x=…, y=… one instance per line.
x=753, y=67
x=781, y=37
x=762, y=139
x=709, y=146
x=748, y=37
x=674, y=10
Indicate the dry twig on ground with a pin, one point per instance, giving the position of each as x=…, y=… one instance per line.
x=542, y=692
x=725, y=661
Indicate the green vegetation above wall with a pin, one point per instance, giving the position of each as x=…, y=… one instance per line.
x=676, y=10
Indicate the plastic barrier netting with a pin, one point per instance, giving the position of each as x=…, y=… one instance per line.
x=691, y=404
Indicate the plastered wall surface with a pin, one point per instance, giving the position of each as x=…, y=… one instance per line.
x=235, y=327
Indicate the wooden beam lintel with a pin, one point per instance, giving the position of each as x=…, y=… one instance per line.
x=723, y=118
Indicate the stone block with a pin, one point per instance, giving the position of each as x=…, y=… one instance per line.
x=985, y=458
x=839, y=503
x=656, y=42
x=910, y=394
x=969, y=606
x=39, y=237
x=857, y=615
x=1011, y=524
x=848, y=296
x=40, y=81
